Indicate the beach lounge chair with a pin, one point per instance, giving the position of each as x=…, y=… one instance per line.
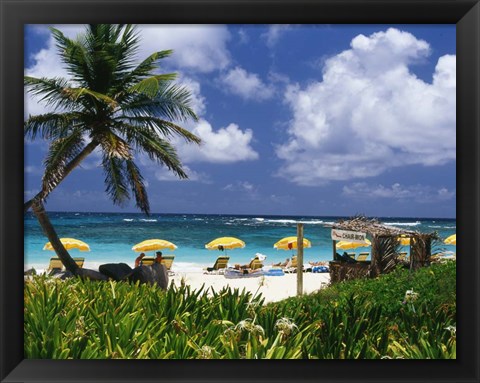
x=291, y=266
x=362, y=257
x=219, y=266
x=167, y=261
x=56, y=264
x=402, y=256
x=255, y=264
x=351, y=255
x=79, y=261
x=148, y=261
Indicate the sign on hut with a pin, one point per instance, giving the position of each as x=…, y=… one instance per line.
x=385, y=249
x=351, y=236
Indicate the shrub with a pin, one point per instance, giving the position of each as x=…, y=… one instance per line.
x=355, y=319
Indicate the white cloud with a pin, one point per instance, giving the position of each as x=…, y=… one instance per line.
x=47, y=61
x=47, y=64
x=201, y=48
x=371, y=113
x=246, y=189
x=243, y=36
x=32, y=169
x=225, y=145
x=222, y=146
x=274, y=32
x=282, y=199
x=163, y=174
x=417, y=193
x=240, y=185
x=246, y=85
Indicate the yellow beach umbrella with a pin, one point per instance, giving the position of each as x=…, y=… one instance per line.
x=345, y=245
x=404, y=240
x=153, y=244
x=69, y=243
x=226, y=243
x=452, y=240
x=289, y=243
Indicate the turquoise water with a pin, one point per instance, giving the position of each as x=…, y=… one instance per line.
x=112, y=235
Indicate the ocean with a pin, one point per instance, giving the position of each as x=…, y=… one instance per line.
x=112, y=235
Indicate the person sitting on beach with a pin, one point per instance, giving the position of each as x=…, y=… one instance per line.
x=138, y=260
x=238, y=266
x=282, y=264
x=158, y=258
x=258, y=256
x=318, y=263
x=245, y=269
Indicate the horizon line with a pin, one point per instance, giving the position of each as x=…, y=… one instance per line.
x=255, y=214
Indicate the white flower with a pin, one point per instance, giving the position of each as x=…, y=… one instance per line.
x=452, y=329
x=410, y=296
x=286, y=326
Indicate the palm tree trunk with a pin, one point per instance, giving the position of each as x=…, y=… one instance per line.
x=42, y=194
x=44, y=221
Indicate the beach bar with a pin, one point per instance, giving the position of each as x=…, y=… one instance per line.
x=385, y=254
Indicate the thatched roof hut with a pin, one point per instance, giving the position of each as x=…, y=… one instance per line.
x=385, y=246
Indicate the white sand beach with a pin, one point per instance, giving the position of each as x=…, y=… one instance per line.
x=272, y=288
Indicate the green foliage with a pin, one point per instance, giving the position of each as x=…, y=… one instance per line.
x=367, y=319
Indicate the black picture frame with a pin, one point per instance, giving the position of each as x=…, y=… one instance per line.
x=15, y=14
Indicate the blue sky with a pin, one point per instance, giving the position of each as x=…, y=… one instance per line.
x=295, y=120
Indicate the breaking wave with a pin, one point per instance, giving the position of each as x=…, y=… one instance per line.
x=416, y=223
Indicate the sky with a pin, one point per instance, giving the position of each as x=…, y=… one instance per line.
x=319, y=120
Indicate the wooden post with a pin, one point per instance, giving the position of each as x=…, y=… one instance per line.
x=299, y=258
x=334, y=247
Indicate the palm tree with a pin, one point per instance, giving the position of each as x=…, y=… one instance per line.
x=110, y=104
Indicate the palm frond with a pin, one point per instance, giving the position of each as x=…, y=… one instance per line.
x=61, y=151
x=161, y=127
x=114, y=146
x=151, y=86
x=50, y=91
x=115, y=179
x=112, y=50
x=51, y=126
x=172, y=103
x=75, y=57
x=157, y=149
x=146, y=67
x=127, y=49
x=79, y=93
x=143, y=70
x=137, y=186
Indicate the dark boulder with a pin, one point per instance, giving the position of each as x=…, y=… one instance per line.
x=63, y=275
x=154, y=274
x=161, y=275
x=116, y=271
x=92, y=275
x=53, y=272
